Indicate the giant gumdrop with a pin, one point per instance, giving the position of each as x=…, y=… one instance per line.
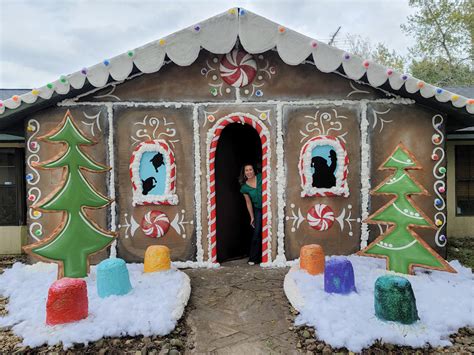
x=395, y=300
x=339, y=276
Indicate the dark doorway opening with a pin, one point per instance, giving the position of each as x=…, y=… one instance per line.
x=238, y=144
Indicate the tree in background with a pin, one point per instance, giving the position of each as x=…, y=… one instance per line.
x=444, y=51
x=379, y=53
x=443, y=29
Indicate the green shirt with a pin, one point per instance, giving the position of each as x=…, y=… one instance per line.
x=255, y=194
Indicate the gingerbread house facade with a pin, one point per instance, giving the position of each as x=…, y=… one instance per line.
x=176, y=119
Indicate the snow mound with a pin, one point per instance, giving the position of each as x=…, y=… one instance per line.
x=444, y=302
x=153, y=307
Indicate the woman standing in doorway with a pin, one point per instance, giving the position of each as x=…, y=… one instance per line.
x=252, y=190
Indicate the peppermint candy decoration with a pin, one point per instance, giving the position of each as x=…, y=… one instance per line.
x=320, y=217
x=238, y=68
x=155, y=224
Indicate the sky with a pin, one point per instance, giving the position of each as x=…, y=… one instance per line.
x=43, y=39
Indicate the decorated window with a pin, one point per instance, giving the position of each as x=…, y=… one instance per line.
x=153, y=174
x=323, y=167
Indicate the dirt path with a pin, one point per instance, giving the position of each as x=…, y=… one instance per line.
x=240, y=309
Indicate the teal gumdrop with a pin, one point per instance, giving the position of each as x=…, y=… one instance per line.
x=113, y=278
x=394, y=300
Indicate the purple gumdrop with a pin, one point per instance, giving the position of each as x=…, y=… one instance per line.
x=339, y=276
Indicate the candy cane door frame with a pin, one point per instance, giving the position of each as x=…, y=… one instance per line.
x=213, y=139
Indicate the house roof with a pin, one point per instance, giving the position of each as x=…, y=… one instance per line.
x=218, y=35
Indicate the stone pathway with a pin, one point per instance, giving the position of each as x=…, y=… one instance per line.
x=240, y=309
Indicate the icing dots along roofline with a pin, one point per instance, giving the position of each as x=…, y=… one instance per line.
x=218, y=35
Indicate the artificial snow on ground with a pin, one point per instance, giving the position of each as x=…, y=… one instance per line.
x=153, y=307
x=444, y=301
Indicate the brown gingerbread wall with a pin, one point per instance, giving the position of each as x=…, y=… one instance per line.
x=290, y=101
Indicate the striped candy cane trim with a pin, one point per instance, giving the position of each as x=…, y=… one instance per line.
x=304, y=166
x=213, y=139
x=169, y=197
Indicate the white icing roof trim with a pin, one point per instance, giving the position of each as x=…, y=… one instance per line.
x=218, y=35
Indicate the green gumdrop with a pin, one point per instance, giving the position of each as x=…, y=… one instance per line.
x=442, y=170
x=394, y=300
x=213, y=91
x=50, y=86
x=38, y=232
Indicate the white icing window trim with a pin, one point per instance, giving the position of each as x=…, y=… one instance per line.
x=304, y=165
x=169, y=197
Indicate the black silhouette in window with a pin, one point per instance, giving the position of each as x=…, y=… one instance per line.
x=148, y=185
x=323, y=176
x=157, y=161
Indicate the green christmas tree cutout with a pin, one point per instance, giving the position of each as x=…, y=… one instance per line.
x=400, y=245
x=77, y=237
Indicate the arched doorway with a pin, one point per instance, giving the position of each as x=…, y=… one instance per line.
x=238, y=144
x=213, y=138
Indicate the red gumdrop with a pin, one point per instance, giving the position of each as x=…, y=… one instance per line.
x=67, y=301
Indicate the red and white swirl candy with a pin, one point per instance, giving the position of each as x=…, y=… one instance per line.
x=155, y=224
x=238, y=68
x=320, y=217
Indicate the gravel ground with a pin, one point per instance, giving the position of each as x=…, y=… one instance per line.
x=463, y=343
x=179, y=342
x=461, y=249
x=174, y=343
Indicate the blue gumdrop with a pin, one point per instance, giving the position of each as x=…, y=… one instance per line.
x=113, y=278
x=339, y=276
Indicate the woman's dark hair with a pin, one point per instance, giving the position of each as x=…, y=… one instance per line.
x=242, y=177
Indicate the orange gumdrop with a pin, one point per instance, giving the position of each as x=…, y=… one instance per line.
x=157, y=258
x=312, y=259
